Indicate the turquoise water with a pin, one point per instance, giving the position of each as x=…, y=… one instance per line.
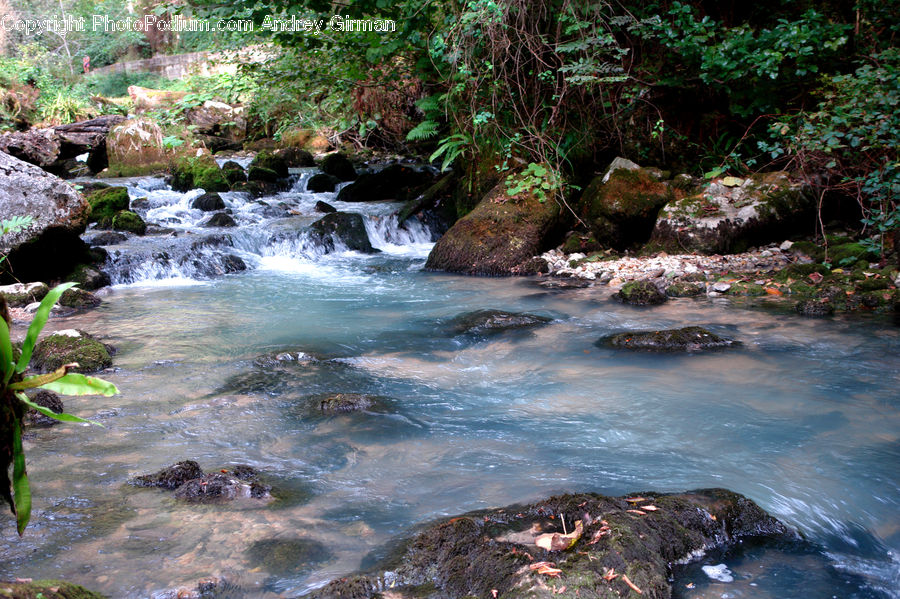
x=803, y=418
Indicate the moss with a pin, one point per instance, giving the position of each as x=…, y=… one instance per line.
x=105, y=203
x=684, y=339
x=261, y=173
x=78, y=298
x=685, y=289
x=810, y=249
x=56, y=350
x=748, y=289
x=170, y=477
x=271, y=162
x=580, y=243
x=126, y=220
x=46, y=589
x=847, y=254
x=640, y=293
x=198, y=172
x=233, y=172
x=136, y=170
x=345, y=402
x=800, y=271
x=873, y=284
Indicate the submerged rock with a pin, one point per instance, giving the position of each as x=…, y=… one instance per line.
x=685, y=339
x=47, y=589
x=626, y=543
x=170, y=477
x=45, y=399
x=324, y=207
x=208, y=202
x=339, y=403
x=65, y=347
x=640, y=293
x=220, y=487
x=815, y=308
x=220, y=219
x=480, y=322
x=285, y=557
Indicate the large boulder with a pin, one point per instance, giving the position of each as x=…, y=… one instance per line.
x=50, y=246
x=671, y=340
x=621, y=207
x=198, y=172
x=343, y=228
x=270, y=162
x=65, y=347
x=498, y=236
x=106, y=203
x=733, y=214
x=338, y=165
x=588, y=545
x=295, y=156
x=396, y=182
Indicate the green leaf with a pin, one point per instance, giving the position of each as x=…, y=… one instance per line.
x=21, y=489
x=6, y=360
x=37, y=324
x=62, y=416
x=79, y=384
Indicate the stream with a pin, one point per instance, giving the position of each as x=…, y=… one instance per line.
x=803, y=418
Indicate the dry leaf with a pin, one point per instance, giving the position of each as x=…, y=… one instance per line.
x=557, y=542
x=632, y=585
x=816, y=277
x=635, y=499
x=537, y=565
x=561, y=590
x=610, y=575
x=773, y=291
x=649, y=508
x=636, y=512
x=494, y=593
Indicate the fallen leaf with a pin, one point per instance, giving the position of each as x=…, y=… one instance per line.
x=690, y=585
x=494, y=593
x=632, y=585
x=816, y=277
x=649, y=508
x=548, y=571
x=732, y=181
x=636, y=512
x=556, y=542
x=537, y=565
x=610, y=575
x=561, y=590
x=773, y=291
x=635, y=499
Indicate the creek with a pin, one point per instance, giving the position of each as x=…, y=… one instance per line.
x=803, y=418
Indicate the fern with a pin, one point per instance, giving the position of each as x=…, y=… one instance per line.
x=15, y=223
x=451, y=148
x=424, y=130
x=429, y=104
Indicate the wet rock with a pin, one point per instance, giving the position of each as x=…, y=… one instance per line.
x=45, y=399
x=565, y=283
x=478, y=553
x=88, y=277
x=338, y=166
x=269, y=162
x=685, y=339
x=106, y=203
x=260, y=174
x=498, y=235
x=47, y=589
x=395, y=182
x=481, y=322
x=220, y=219
x=65, y=347
x=233, y=172
x=131, y=222
x=285, y=557
x=322, y=183
x=532, y=266
x=170, y=477
x=621, y=207
x=324, y=207
x=220, y=487
x=344, y=228
x=22, y=294
x=78, y=299
x=640, y=293
x=199, y=172
x=814, y=308
x=340, y=403
x=209, y=202
x=294, y=156
x=107, y=238
x=729, y=218
x=685, y=289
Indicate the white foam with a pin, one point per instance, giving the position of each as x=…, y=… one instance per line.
x=719, y=572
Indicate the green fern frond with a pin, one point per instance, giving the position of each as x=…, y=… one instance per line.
x=424, y=130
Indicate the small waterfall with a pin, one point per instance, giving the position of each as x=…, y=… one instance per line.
x=270, y=232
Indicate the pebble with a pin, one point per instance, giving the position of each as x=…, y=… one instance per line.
x=721, y=287
x=785, y=246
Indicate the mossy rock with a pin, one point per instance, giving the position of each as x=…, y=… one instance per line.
x=338, y=165
x=89, y=277
x=106, y=203
x=810, y=249
x=482, y=322
x=22, y=294
x=78, y=299
x=640, y=293
x=814, y=308
x=685, y=339
x=45, y=399
x=262, y=174
x=339, y=403
x=748, y=289
x=220, y=219
x=873, y=284
x=199, y=172
x=801, y=272
x=70, y=346
x=848, y=254
x=269, y=162
x=46, y=589
x=170, y=477
x=496, y=237
x=233, y=172
x=476, y=554
x=622, y=211
x=208, y=202
x=285, y=557
x=131, y=222
x=685, y=289
x=578, y=243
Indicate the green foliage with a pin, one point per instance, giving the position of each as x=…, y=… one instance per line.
x=537, y=179
x=13, y=402
x=65, y=107
x=424, y=130
x=451, y=148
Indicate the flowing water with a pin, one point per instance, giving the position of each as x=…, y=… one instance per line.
x=803, y=418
